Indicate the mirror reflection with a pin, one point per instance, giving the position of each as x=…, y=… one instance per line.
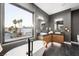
x=58, y=25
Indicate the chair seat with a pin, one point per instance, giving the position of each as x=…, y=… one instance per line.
x=75, y=42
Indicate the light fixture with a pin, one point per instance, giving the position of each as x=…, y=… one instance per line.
x=43, y=22
x=41, y=18
x=67, y=29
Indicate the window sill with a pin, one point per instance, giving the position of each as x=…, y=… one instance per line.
x=16, y=40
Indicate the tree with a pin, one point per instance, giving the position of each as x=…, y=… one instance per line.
x=20, y=25
x=19, y=22
x=11, y=28
x=15, y=22
x=15, y=28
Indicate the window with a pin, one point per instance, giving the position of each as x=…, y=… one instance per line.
x=18, y=23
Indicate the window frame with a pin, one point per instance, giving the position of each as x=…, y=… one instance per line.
x=19, y=6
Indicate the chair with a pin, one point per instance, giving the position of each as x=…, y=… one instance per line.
x=1, y=48
x=76, y=43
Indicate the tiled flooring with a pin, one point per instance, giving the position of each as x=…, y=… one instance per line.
x=64, y=50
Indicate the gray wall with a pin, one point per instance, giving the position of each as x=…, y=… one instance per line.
x=75, y=24
x=66, y=15
x=1, y=22
x=30, y=7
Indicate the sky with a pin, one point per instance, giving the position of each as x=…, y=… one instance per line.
x=13, y=12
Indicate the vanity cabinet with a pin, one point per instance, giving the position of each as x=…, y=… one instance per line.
x=53, y=38
x=47, y=38
x=57, y=38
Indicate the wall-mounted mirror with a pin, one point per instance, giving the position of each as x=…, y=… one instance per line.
x=58, y=25
x=41, y=23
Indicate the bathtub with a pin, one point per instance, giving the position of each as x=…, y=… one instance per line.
x=38, y=49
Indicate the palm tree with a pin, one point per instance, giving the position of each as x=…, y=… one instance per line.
x=10, y=28
x=15, y=28
x=19, y=22
x=15, y=22
x=20, y=25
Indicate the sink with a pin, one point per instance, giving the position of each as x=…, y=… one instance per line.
x=42, y=33
x=57, y=32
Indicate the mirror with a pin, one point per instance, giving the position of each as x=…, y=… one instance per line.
x=42, y=25
x=58, y=25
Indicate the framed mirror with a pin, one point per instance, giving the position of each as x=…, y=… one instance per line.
x=58, y=25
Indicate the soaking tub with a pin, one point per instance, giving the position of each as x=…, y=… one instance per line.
x=38, y=49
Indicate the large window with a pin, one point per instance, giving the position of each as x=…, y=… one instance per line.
x=18, y=23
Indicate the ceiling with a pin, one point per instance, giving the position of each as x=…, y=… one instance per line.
x=51, y=8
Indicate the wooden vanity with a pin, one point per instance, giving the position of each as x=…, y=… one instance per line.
x=57, y=38
x=53, y=38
